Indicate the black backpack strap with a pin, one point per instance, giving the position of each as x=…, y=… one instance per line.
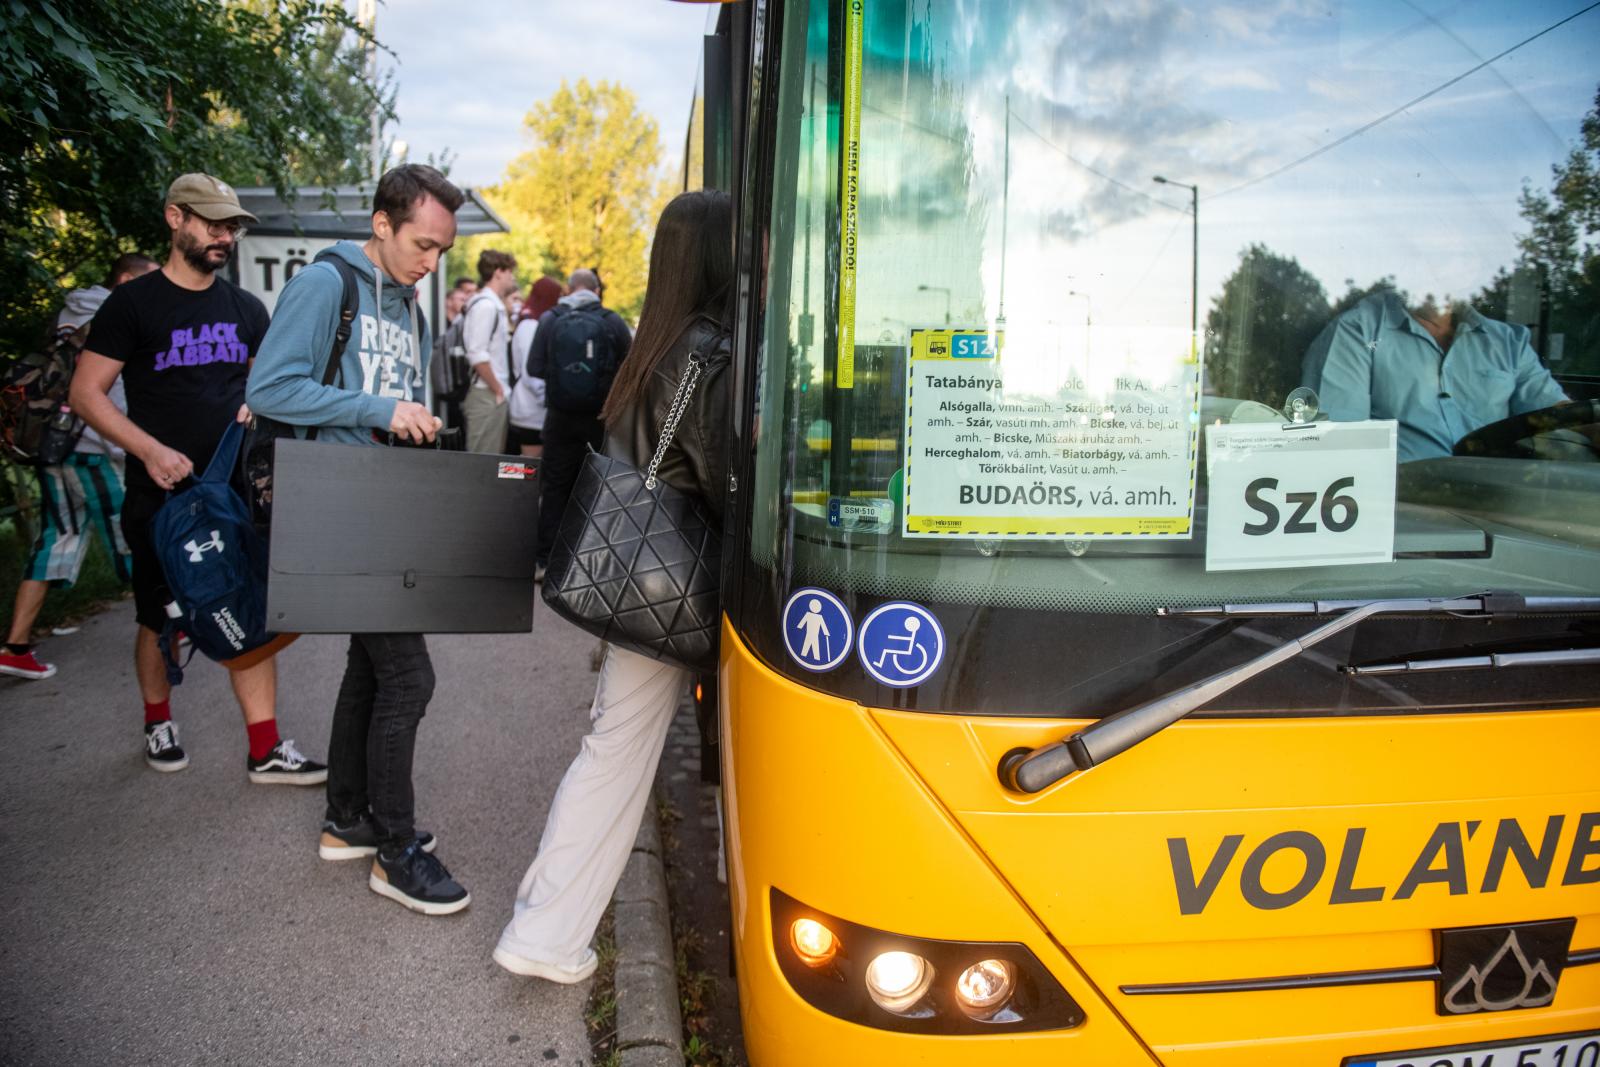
x=349, y=306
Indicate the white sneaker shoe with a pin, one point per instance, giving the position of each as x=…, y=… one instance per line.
x=565, y=974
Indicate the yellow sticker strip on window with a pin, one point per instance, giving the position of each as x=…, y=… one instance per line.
x=849, y=194
x=1064, y=456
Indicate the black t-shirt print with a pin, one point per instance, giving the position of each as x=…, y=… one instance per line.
x=185, y=357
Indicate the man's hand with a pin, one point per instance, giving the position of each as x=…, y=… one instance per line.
x=414, y=421
x=499, y=391
x=244, y=413
x=167, y=466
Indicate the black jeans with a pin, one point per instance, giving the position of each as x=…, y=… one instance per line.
x=567, y=439
x=388, y=681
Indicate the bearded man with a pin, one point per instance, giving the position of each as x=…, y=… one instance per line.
x=181, y=338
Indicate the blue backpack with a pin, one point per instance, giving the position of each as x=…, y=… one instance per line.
x=582, y=360
x=215, y=563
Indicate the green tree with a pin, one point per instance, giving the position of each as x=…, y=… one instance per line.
x=101, y=105
x=526, y=241
x=1562, y=246
x=593, y=185
x=1257, y=331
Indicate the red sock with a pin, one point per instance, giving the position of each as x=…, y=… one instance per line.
x=263, y=737
x=160, y=711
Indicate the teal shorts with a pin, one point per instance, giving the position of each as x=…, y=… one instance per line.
x=81, y=495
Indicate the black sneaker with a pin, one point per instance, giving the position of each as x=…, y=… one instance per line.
x=284, y=765
x=358, y=839
x=161, y=748
x=418, y=881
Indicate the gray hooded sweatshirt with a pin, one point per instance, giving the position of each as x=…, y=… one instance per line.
x=385, y=362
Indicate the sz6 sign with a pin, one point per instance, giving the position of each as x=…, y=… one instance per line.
x=1301, y=496
x=1339, y=509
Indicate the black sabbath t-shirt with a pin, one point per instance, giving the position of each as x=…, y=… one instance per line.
x=185, y=356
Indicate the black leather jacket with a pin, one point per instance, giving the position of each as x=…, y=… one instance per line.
x=697, y=460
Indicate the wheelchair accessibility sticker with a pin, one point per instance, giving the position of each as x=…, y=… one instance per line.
x=816, y=629
x=901, y=644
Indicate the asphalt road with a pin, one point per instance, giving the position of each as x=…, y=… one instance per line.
x=186, y=918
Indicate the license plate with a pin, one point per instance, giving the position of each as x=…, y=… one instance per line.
x=1559, y=1050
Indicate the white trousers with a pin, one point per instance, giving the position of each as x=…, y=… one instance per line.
x=595, y=815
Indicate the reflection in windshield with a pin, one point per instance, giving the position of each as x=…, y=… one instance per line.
x=1324, y=195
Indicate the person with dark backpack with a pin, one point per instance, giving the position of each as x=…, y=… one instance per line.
x=577, y=349
x=181, y=339
x=376, y=393
x=81, y=492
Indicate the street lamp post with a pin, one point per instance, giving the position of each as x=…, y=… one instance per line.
x=939, y=289
x=1194, y=282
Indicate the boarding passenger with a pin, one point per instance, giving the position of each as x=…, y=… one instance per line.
x=181, y=338
x=1440, y=372
x=528, y=395
x=486, y=335
x=577, y=349
x=81, y=495
x=597, y=808
x=388, y=678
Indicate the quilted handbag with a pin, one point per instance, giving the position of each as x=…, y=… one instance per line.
x=636, y=562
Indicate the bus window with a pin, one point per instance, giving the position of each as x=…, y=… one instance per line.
x=1024, y=262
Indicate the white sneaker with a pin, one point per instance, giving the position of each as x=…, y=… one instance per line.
x=565, y=974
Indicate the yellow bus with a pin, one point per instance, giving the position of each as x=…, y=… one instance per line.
x=1163, y=568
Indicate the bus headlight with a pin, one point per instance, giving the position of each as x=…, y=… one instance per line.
x=813, y=943
x=897, y=980
x=985, y=987
x=915, y=985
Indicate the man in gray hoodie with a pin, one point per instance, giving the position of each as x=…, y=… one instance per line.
x=388, y=678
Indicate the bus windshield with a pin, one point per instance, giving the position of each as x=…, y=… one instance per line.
x=1102, y=308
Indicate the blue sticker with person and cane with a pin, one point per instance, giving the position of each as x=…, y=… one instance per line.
x=817, y=629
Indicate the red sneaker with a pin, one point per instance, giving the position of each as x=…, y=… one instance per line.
x=26, y=665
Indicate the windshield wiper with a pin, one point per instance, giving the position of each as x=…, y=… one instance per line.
x=1030, y=770
x=1487, y=661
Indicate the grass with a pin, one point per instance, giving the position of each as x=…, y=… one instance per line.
x=696, y=987
x=600, y=1014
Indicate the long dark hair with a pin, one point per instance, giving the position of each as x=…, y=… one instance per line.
x=691, y=274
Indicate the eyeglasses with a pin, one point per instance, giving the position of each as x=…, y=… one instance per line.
x=233, y=229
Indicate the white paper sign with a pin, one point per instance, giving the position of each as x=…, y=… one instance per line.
x=265, y=263
x=1064, y=459
x=1317, y=495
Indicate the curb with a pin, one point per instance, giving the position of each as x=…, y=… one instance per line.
x=649, y=1024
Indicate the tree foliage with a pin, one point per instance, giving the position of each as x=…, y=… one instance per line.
x=1270, y=310
x=1562, y=245
x=102, y=105
x=592, y=186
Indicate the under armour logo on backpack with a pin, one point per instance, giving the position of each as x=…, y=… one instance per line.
x=198, y=549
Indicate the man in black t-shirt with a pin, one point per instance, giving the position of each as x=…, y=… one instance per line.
x=181, y=339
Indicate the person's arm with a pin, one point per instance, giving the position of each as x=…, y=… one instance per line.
x=521, y=349
x=286, y=381
x=539, y=350
x=621, y=336
x=1338, y=365
x=90, y=398
x=708, y=429
x=476, y=336
x=1535, y=386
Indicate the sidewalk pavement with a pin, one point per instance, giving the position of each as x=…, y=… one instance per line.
x=186, y=919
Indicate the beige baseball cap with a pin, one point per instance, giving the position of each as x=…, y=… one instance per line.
x=207, y=197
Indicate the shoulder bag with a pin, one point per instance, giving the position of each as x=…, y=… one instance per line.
x=636, y=562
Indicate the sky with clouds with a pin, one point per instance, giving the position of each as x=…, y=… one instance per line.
x=469, y=71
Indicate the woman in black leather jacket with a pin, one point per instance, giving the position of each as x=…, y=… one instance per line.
x=596, y=811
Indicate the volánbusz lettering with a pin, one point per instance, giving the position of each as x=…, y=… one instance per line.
x=1334, y=871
